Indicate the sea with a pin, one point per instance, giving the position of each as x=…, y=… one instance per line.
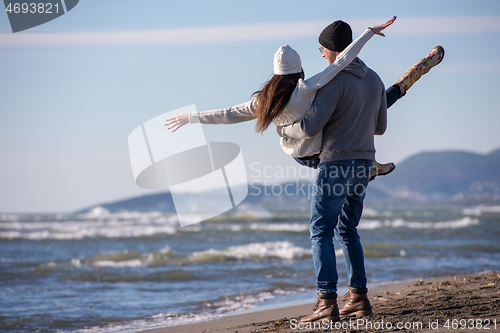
x=130, y=271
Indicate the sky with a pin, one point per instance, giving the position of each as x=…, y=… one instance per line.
x=73, y=89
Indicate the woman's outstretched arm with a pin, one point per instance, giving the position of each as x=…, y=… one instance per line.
x=232, y=115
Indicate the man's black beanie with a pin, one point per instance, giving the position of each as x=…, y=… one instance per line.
x=336, y=37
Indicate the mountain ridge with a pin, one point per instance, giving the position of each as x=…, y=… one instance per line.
x=423, y=177
x=445, y=175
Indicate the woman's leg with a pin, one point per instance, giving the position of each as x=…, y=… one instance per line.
x=399, y=89
x=415, y=72
x=393, y=93
x=412, y=75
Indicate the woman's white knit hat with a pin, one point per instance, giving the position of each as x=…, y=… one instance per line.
x=286, y=61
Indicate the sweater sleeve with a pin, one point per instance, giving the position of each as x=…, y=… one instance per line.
x=316, y=118
x=382, y=116
x=344, y=58
x=232, y=115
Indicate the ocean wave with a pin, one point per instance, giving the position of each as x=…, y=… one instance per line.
x=248, y=213
x=151, y=322
x=237, y=302
x=128, y=259
x=101, y=213
x=118, y=277
x=75, y=230
x=282, y=250
x=399, y=223
x=253, y=251
x=280, y=227
x=480, y=210
x=209, y=310
x=255, y=226
x=369, y=212
x=125, y=263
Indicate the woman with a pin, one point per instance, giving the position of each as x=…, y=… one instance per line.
x=286, y=98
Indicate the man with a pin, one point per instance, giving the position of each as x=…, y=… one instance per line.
x=350, y=109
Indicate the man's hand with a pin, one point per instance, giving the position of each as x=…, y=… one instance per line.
x=378, y=29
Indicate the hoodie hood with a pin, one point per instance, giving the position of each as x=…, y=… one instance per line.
x=357, y=68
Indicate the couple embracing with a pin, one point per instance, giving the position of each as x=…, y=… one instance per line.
x=328, y=122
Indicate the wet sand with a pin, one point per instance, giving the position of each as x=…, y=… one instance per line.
x=461, y=303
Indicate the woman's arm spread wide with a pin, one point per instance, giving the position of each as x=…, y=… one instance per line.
x=232, y=115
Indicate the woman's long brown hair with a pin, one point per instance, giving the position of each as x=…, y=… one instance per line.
x=273, y=97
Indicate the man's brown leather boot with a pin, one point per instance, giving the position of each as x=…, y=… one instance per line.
x=326, y=308
x=357, y=306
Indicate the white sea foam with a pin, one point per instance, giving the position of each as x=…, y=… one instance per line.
x=124, y=263
x=370, y=224
x=152, y=322
x=261, y=226
x=480, y=210
x=369, y=212
x=9, y=217
x=117, y=226
x=213, y=310
x=253, y=213
x=76, y=262
x=241, y=302
x=283, y=250
x=399, y=223
x=217, y=309
x=97, y=212
x=125, y=259
x=291, y=227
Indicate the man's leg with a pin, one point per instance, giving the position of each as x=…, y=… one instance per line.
x=325, y=209
x=331, y=190
x=347, y=234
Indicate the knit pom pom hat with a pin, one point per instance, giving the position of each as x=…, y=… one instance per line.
x=286, y=61
x=336, y=37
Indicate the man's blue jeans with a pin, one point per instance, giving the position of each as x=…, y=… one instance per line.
x=336, y=208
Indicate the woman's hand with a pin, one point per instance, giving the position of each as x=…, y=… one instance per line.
x=178, y=121
x=378, y=29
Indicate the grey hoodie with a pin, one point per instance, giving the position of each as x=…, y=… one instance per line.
x=350, y=109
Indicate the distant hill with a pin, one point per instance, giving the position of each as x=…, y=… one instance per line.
x=287, y=197
x=425, y=177
x=444, y=175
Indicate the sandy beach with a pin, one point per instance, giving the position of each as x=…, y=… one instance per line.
x=460, y=303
